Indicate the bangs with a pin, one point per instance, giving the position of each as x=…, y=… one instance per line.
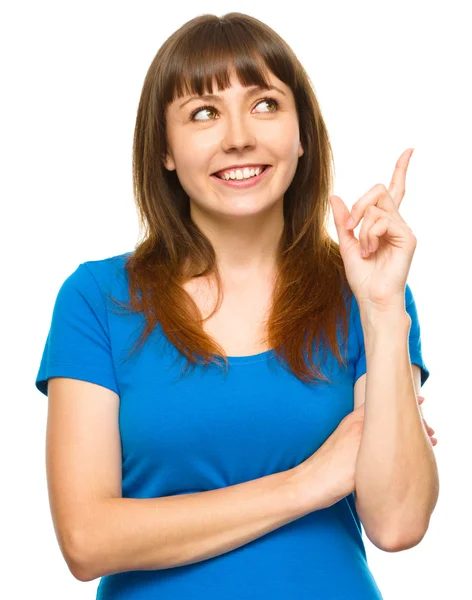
x=213, y=51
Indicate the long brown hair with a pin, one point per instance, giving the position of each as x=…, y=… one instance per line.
x=308, y=299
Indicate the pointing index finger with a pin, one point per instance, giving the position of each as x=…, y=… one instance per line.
x=397, y=184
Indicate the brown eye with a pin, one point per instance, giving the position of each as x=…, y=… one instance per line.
x=270, y=101
x=213, y=110
x=202, y=108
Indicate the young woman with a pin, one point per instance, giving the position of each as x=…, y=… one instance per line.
x=253, y=474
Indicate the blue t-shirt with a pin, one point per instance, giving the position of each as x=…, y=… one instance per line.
x=207, y=430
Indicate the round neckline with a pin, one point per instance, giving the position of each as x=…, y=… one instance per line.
x=251, y=358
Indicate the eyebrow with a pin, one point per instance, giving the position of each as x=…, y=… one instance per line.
x=250, y=92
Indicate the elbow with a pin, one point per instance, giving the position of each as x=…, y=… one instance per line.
x=86, y=548
x=399, y=542
x=75, y=556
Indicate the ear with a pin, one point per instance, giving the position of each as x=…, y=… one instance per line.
x=300, y=149
x=168, y=162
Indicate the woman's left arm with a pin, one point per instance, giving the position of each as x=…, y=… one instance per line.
x=397, y=481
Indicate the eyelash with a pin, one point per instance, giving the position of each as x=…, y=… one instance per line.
x=208, y=107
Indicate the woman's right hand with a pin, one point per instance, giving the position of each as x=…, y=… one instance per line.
x=328, y=475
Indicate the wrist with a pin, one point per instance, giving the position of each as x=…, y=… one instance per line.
x=307, y=481
x=386, y=317
x=302, y=494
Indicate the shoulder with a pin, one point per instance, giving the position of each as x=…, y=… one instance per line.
x=99, y=276
x=103, y=267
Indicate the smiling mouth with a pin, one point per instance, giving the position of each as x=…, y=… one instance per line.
x=248, y=183
x=236, y=179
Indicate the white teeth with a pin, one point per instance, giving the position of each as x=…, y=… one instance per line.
x=246, y=173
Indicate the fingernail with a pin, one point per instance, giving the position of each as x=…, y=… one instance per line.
x=350, y=223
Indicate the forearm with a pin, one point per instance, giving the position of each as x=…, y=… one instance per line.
x=397, y=482
x=127, y=534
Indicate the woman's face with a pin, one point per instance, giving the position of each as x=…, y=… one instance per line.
x=239, y=128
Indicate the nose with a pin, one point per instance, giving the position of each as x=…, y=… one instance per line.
x=237, y=133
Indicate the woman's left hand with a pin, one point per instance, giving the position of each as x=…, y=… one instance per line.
x=429, y=430
x=379, y=279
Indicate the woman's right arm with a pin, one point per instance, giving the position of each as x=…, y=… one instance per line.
x=127, y=534
x=101, y=533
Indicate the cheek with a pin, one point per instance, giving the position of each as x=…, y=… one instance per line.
x=191, y=168
x=283, y=141
x=190, y=162
x=194, y=154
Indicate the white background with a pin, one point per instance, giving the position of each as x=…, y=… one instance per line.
x=388, y=75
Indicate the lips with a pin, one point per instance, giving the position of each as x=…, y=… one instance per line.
x=244, y=183
x=218, y=173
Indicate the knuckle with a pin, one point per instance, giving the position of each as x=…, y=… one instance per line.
x=358, y=425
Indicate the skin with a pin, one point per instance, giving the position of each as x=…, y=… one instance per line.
x=244, y=225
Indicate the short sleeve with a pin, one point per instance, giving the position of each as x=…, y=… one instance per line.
x=78, y=343
x=414, y=338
